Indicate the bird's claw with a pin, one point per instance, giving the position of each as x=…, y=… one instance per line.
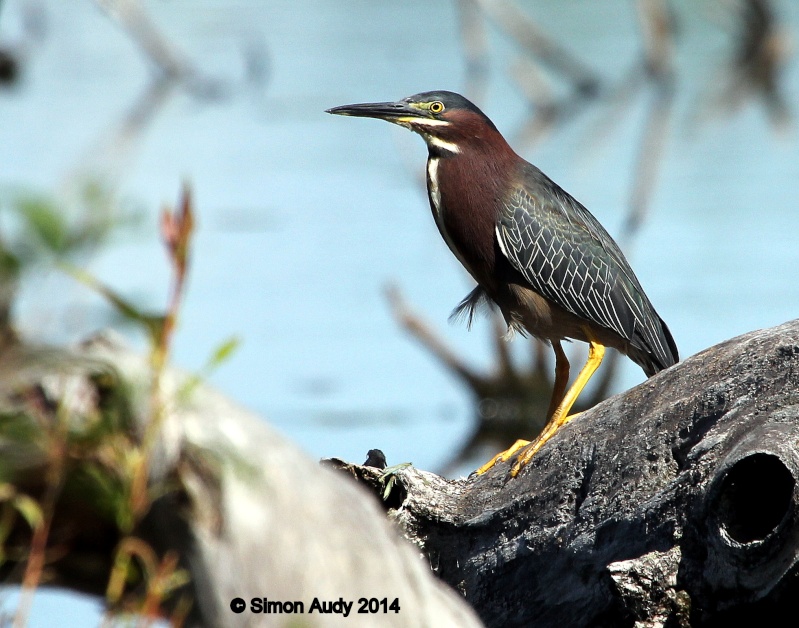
x=503, y=456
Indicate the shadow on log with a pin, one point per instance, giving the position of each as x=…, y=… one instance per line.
x=673, y=504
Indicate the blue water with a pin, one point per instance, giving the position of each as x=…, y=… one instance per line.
x=304, y=218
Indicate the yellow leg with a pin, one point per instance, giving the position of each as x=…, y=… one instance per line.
x=561, y=416
x=561, y=380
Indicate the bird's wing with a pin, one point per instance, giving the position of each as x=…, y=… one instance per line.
x=568, y=257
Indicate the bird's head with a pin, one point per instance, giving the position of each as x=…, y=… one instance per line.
x=447, y=121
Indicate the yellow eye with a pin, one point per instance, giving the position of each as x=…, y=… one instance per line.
x=436, y=107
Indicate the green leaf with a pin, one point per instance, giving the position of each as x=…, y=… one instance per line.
x=152, y=323
x=177, y=579
x=45, y=221
x=223, y=352
x=24, y=504
x=9, y=264
x=389, y=485
x=219, y=355
x=29, y=508
x=388, y=478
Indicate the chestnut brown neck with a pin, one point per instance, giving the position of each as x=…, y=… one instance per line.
x=467, y=187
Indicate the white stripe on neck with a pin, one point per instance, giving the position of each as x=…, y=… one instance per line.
x=449, y=147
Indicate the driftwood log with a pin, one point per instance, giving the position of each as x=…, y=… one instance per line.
x=673, y=504
x=249, y=515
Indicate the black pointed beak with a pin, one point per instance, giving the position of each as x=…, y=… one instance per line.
x=389, y=111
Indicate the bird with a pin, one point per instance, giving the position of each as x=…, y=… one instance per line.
x=536, y=253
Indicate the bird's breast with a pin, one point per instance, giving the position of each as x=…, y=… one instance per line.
x=462, y=210
x=441, y=215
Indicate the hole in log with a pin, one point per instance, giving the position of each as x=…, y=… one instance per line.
x=754, y=497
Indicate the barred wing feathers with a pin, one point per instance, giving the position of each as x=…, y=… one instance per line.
x=568, y=257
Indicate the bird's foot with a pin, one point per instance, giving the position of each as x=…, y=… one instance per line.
x=528, y=448
x=503, y=456
x=523, y=459
x=525, y=456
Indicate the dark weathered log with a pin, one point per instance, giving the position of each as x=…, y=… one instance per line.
x=673, y=504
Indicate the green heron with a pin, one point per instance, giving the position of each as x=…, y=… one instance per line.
x=534, y=251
